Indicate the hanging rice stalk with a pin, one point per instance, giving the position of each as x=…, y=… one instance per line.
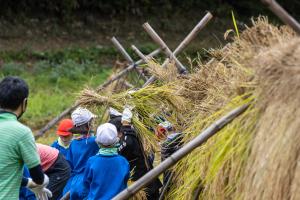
x=257, y=156
x=147, y=103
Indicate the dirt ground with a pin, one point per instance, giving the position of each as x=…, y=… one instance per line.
x=41, y=35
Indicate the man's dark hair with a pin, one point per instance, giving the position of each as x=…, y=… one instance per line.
x=82, y=129
x=117, y=121
x=13, y=91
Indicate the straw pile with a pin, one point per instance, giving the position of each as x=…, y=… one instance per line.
x=146, y=103
x=256, y=156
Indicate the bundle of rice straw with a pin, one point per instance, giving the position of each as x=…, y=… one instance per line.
x=146, y=103
x=256, y=156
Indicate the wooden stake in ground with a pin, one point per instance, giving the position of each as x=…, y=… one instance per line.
x=178, y=155
x=282, y=14
x=54, y=121
x=202, y=23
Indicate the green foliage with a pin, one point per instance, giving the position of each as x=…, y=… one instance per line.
x=54, y=78
x=235, y=26
x=67, y=8
x=12, y=69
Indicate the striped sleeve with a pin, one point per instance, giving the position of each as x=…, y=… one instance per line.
x=28, y=150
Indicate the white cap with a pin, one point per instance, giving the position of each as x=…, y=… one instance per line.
x=166, y=124
x=81, y=116
x=114, y=112
x=127, y=115
x=107, y=134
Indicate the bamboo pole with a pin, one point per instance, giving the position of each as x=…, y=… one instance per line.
x=186, y=149
x=201, y=24
x=146, y=60
x=122, y=50
x=126, y=55
x=140, y=54
x=50, y=124
x=282, y=14
x=163, y=46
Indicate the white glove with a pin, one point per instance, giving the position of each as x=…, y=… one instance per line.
x=43, y=194
x=127, y=115
x=114, y=112
x=40, y=191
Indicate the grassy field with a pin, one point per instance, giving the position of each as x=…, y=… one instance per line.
x=57, y=64
x=54, y=78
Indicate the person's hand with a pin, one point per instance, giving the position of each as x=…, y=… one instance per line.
x=40, y=191
x=127, y=115
x=43, y=194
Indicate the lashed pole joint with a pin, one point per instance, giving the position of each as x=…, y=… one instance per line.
x=202, y=23
x=163, y=46
x=186, y=149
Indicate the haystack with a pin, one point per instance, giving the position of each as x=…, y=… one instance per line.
x=256, y=156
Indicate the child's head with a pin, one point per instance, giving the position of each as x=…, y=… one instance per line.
x=82, y=119
x=117, y=122
x=63, y=131
x=107, y=135
x=163, y=129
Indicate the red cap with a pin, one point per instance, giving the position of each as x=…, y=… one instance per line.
x=64, y=126
x=160, y=132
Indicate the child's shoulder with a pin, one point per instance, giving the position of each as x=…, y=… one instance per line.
x=54, y=144
x=92, y=159
x=122, y=158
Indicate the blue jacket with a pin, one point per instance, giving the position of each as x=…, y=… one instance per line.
x=61, y=149
x=105, y=177
x=80, y=151
x=25, y=193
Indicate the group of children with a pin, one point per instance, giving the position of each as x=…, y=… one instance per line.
x=99, y=167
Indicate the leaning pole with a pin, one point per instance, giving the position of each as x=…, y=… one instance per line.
x=181, y=153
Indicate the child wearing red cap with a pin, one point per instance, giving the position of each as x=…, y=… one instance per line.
x=63, y=142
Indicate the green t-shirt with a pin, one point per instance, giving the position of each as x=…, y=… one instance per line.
x=17, y=147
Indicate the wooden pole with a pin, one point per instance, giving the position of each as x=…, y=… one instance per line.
x=50, y=124
x=122, y=50
x=282, y=14
x=140, y=54
x=178, y=155
x=164, y=47
x=126, y=55
x=146, y=60
x=202, y=23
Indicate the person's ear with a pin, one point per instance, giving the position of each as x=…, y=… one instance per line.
x=24, y=104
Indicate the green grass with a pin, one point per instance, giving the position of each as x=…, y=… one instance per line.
x=54, y=79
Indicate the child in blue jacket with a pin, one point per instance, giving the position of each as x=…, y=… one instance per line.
x=81, y=149
x=107, y=173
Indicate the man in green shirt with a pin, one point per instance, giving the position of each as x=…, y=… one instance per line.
x=17, y=146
